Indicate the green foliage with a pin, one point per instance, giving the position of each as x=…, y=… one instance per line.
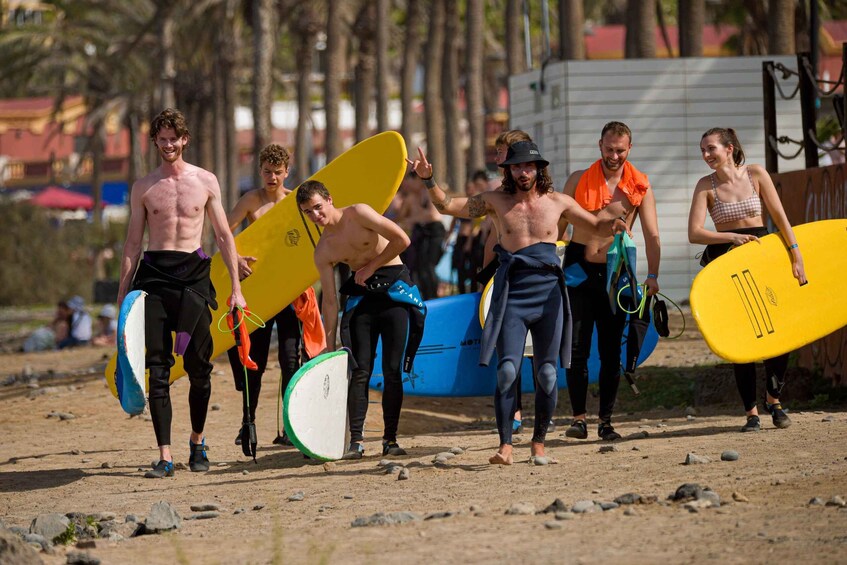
x=42, y=260
x=67, y=537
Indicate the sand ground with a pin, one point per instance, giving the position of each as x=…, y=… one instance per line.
x=93, y=463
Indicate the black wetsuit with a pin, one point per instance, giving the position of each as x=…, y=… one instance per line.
x=589, y=300
x=528, y=295
x=179, y=295
x=745, y=373
x=426, y=243
x=288, y=336
x=374, y=312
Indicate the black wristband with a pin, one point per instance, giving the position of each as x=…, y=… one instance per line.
x=429, y=183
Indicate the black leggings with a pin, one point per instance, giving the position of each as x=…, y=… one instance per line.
x=426, y=240
x=375, y=317
x=589, y=306
x=288, y=336
x=745, y=374
x=161, y=310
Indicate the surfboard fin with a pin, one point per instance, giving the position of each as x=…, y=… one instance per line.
x=248, y=440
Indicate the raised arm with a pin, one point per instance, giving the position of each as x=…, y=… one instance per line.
x=397, y=240
x=569, y=190
x=603, y=224
x=770, y=197
x=134, y=237
x=223, y=238
x=473, y=207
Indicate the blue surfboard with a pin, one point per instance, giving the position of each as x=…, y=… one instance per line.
x=447, y=363
x=130, y=368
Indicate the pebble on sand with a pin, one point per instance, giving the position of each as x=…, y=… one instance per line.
x=729, y=455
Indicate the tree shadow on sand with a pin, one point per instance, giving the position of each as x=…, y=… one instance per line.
x=24, y=481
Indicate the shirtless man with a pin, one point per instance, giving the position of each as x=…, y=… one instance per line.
x=171, y=203
x=273, y=165
x=382, y=303
x=612, y=186
x=427, y=235
x=528, y=293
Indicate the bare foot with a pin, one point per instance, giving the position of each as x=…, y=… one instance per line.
x=537, y=449
x=503, y=456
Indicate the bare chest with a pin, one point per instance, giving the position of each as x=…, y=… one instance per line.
x=355, y=247
x=175, y=199
x=536, y=220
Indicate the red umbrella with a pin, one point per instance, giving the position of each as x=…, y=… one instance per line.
x=57, y=197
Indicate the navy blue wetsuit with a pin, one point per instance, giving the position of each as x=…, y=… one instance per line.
x=528, y=295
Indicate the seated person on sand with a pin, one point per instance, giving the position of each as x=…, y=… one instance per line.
x=79, y=325
x=107, y=327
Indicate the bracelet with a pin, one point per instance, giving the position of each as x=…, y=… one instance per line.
x=652, y=276
x=429, y=183
x=793, y=246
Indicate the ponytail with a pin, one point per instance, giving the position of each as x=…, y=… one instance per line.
x=728, y=137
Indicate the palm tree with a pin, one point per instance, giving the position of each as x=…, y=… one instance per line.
x=365, y=70
x=455, y=166
x=571, y=31
x=781, y=27
x=335, y=44
x=264, y=29
x=432, y=84
x=382, y=65
x=411, y=47
x=514, y=47
x=692, y=19
x=473, y=85
x=304, y=27
x=640, y=29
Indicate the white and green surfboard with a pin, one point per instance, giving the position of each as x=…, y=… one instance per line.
x=315, y=409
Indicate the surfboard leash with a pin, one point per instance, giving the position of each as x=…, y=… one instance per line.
x=659, y=310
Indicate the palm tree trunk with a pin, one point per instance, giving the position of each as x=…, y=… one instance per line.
x=474, y=79
x=382, y=67
x=781, y=27
x=455, y=172
x=365, y=69
x=514, y=46
x=411, y=48
x=640, y=29
x=571, y=31
x=332, y=80
x=306, y=35
x=432, y=86
x=264, y=22
x=692, y=19
x=167, y=97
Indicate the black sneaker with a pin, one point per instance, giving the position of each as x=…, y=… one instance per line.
x=577, y=430
x=283, y=440
x=197, y=460
x=391, y=448
x=354, y=451
x=607, y=432
x=780, y=418
x=161, y=470
x=752, y=425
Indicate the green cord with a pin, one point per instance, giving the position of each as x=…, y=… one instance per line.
x=640, y=308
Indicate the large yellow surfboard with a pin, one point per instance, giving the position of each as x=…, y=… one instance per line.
x=283, y=240
x=749, y=306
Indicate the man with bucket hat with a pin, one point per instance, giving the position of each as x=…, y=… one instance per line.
x=529, y=293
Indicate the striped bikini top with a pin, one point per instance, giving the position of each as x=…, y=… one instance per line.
x=725, y=212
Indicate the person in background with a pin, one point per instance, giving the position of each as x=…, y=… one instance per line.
x=79, y=325
x=733, y=196
x=107, y=327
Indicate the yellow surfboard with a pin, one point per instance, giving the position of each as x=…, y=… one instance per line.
x=283, y=240
x=750, y=307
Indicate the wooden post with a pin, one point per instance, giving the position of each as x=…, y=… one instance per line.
x=769, y=103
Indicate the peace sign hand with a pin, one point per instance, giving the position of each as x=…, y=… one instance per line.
x=421, y=166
